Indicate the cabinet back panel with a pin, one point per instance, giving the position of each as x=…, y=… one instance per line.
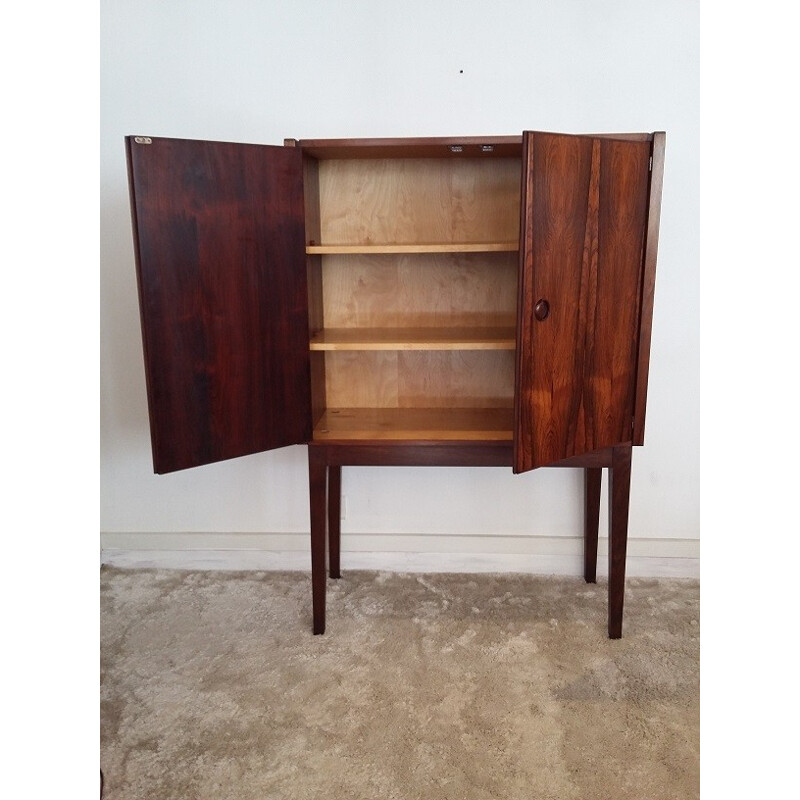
x=420, y=379
x=379, y=201
x=430, y=290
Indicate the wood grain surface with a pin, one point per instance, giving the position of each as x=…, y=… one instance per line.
x=649, y=283
x=429, y=290
x=417, y=247
x=424, y=379
x=419, y=201
x=583, y=215
x=410, y=338
x=466, y=424
x=219, y=238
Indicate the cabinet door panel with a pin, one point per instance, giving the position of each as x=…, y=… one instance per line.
x=219, y=238
x=583, y=220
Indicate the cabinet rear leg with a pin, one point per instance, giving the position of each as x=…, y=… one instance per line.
x=592, y=478
x=317, y=484
x=334, y=518
x=618, y=504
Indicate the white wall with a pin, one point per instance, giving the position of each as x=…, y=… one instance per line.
x=262, y=71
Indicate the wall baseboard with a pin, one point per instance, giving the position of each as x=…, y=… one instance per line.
x=553, y=555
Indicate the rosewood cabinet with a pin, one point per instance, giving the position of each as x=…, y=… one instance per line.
x=482, y=301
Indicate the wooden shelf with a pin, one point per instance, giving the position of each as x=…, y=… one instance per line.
x=434, y=247
x=461, y=338
x=416, y=424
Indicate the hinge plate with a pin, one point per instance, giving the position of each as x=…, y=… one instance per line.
x=142, y=140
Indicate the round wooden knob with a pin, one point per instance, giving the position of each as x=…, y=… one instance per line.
x=541, y=310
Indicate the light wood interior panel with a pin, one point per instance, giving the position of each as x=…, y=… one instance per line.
x=361, y=380
x=414, y=379
x=419, y=297
x=431, y=290
x=466, y=378
x=381, y=201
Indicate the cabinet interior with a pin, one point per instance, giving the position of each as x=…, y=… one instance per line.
x=412, y=266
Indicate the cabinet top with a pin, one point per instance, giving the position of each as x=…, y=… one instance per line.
x=431, y=147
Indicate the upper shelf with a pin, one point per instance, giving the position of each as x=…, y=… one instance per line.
x=461, y=338
x=437, y=247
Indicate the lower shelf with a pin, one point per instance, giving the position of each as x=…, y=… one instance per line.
x=416, y=424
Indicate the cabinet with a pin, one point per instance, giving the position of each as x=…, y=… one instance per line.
x=471, y=301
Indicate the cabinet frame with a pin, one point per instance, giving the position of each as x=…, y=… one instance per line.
x=589, y=208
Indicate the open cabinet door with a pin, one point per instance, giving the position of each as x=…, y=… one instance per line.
x=220, y=255
x=583, y=224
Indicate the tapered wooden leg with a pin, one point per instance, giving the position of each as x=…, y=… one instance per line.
x=334, y=518
x=592, y=478
x=618, y=503
x=317, y=483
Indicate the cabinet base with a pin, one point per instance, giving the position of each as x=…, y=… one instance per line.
x=325, y=462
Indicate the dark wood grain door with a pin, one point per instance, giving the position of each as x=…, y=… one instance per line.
x=583, y=225
x=220, y=253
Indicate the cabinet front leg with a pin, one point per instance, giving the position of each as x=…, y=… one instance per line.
x=592, y=478
x=619, y=487
x=334, y=518
x=317, y=486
